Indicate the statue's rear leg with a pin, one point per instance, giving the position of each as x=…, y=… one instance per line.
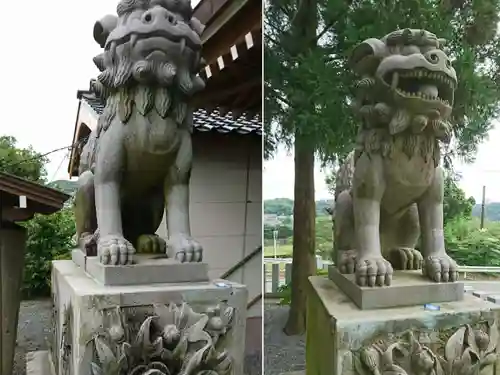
x=85, y=215
x=405, y=232
x=141, y=219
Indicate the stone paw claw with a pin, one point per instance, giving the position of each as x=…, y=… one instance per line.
x=185, y=249
x=115, y=250
x=151, y=244
x=346, y=262
x=440, y=268
x=374, y=271
x=404, y=258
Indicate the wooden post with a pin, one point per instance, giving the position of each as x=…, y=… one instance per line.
x=483, y=203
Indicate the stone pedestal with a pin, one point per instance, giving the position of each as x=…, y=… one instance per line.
x=12, y=248
x=461, y=337
x=407, y=288
x=175, y=323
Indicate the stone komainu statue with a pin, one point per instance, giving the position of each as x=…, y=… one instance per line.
x=390, y=188
x=137, y=163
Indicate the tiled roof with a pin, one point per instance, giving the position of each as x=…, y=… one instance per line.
x=202, y=121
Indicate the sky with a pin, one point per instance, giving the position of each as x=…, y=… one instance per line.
x=52, y=57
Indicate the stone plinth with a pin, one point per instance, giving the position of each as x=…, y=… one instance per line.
x=407, y=288
x=86, y=310
x=343, y=339
x=149, y=269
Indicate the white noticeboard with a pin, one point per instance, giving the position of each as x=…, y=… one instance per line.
x=23, y=201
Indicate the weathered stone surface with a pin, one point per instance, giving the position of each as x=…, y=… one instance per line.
x=407, y=288
x=389, y=190
x=460, y=338
x=148, y=269
x=137, y=163
x=109, y=317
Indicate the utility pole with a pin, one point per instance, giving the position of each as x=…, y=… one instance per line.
x=483, y=204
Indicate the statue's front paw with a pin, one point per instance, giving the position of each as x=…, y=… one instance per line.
x=440, y=268
x=114, y=250
x=373, y=271
x=184, y=248
x=403, y=258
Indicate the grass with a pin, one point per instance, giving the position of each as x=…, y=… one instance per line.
x=281, y=251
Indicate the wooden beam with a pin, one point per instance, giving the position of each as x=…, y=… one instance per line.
x=206, y=10
x=234, y=31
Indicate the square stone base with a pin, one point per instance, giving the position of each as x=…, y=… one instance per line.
x=84, y=308
x=343, y=339
x=407, y=288
x=149, y=269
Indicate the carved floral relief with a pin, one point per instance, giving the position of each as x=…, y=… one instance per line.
x=468, y=351
x=175, y=340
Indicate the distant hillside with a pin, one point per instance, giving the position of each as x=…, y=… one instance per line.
x=491, y=211
x=284, y=206
x=69, y=187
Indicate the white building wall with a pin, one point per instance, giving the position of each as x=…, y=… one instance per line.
x=226, y=206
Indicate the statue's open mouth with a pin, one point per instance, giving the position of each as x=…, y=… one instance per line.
x=422, y=84
x=133, y=38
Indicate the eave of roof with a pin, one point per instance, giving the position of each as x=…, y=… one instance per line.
x=50, y=199
x=203, y=121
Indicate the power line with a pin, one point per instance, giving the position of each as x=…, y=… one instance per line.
x=59, y=167
x=40, y=156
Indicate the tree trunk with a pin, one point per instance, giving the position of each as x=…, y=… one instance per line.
x=304, y=233
x=303, y=31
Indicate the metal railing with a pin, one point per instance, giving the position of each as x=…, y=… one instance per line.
x=241, y=264
x=278, y=272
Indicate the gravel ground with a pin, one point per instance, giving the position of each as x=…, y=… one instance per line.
x=282, y=353
x=34, y=330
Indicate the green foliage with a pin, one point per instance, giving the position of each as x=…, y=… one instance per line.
x=471, y=246
x=455, y=205
x=279, y=206
x=324, y=236
x=21, y=162
x=284, y=231
x=285, y=290
x=50, y=237
x=308, y=86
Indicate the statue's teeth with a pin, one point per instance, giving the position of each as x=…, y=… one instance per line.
x=395, y=80
x=182, y=45
x=133, y=40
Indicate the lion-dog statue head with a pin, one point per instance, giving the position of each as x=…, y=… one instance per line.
x=405, y=93
x=152, y=54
